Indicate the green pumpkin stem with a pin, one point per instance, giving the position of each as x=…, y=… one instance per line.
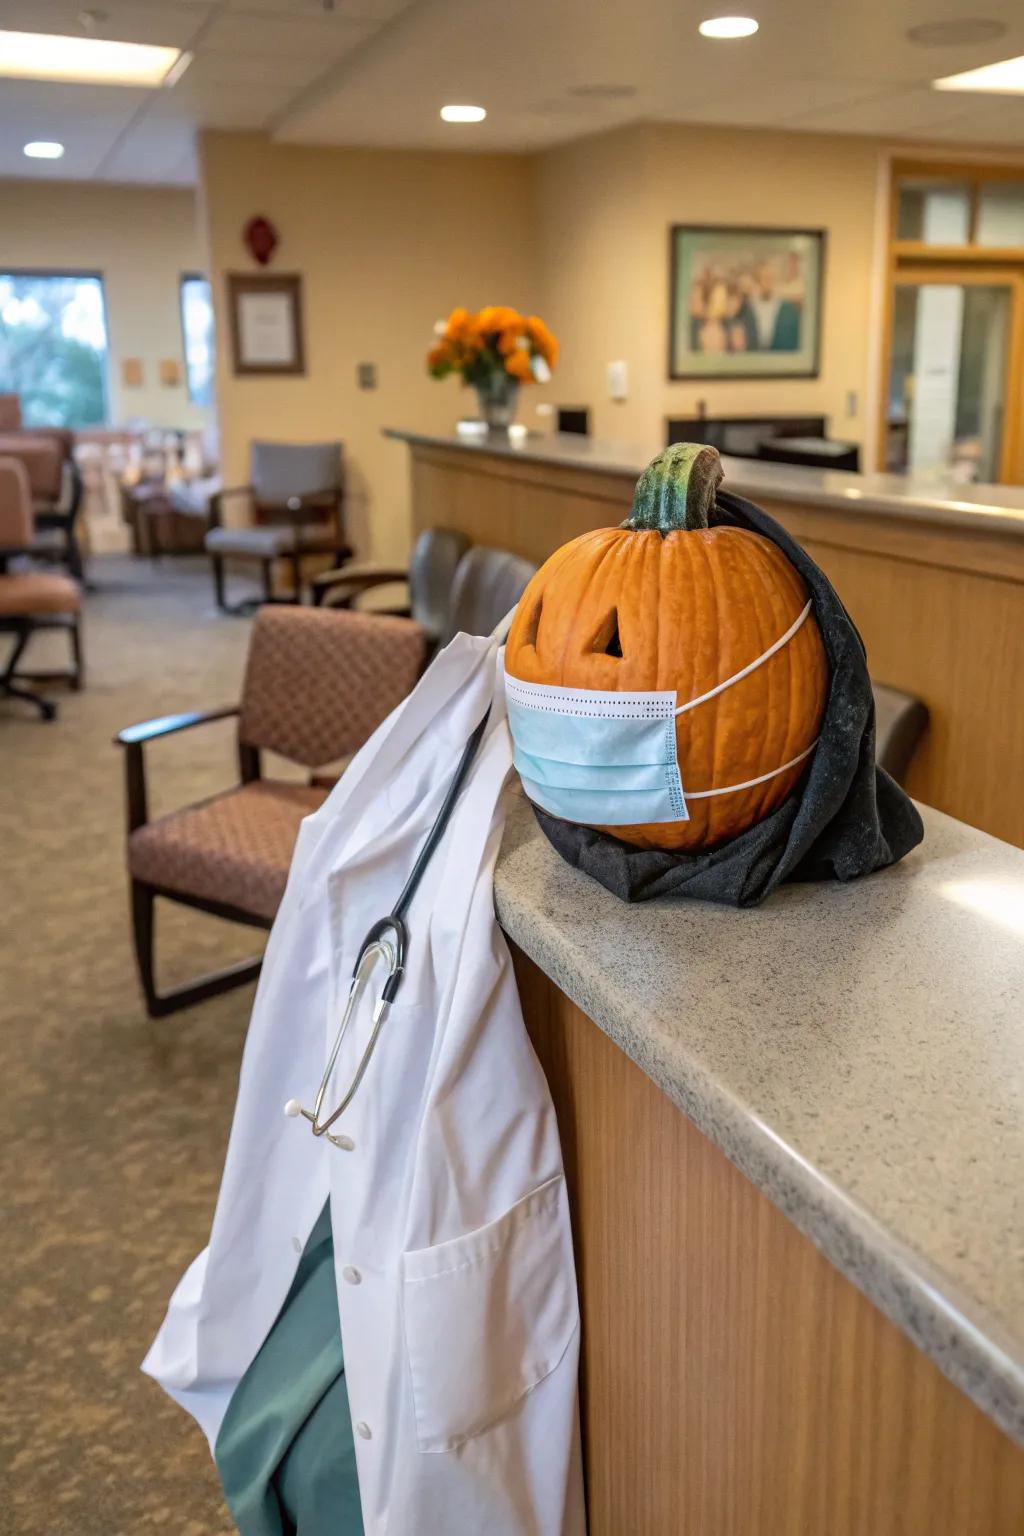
x=677, y=489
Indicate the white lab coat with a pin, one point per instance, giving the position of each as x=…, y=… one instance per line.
x=452, y=1242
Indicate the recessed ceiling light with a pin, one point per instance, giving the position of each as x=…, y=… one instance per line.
x=728, y=26
x=457, y=114
x=85, y=60
x=43, y=149
x=1005, y=78
x=967, y=29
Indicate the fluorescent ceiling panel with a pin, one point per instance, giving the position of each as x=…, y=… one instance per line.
x=1006, y=78
x=84, y=60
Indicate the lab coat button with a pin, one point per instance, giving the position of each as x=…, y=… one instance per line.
x=363, y=1429
x=297, y=1244
x=352, y=1275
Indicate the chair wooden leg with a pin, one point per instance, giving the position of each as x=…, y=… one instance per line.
x=160, y=1004
x=218, y=583
x=268, y=580
x=295, y=561
x=142, y=938
x=77, y=657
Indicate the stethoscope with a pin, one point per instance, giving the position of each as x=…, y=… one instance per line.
x=387, y=940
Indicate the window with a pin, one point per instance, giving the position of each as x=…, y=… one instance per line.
x=197, y=327
x=53, y=347
x=934, y=210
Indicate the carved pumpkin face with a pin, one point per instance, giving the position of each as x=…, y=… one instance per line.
x=685, y=607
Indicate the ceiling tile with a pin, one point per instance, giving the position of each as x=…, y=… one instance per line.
x=919, y=111
x=323, y=39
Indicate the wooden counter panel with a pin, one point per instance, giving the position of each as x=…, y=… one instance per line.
x=733, y=1382
x=956, y=640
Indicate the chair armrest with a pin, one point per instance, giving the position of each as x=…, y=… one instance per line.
x=169, y=725
x=219, y=497
x=351, y=582
x=134, y=737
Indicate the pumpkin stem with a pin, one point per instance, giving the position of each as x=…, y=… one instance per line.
x=677, y=489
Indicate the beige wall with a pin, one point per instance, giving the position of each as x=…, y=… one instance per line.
x=605, y=205
x=385, y=242
x=142, y=239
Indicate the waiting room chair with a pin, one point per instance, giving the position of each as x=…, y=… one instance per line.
x=56, y=491
x=296, y=498
x=317, y=684
x=31, y=600
x=900, y=722
x=435, y=559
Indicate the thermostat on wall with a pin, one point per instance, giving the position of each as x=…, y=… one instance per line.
x=366, y=375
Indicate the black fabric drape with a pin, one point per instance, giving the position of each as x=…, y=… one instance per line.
x=845, y=818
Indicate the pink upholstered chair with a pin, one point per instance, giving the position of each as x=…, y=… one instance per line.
x=317, y=683
x=31, y=600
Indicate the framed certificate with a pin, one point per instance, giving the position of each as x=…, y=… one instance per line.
x=266, y=323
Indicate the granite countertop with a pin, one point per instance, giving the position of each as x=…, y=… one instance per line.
x=857, y=1051
x=924, y=498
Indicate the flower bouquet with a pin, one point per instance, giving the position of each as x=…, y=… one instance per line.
x=495, y=351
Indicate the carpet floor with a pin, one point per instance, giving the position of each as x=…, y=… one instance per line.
x=113, y=1127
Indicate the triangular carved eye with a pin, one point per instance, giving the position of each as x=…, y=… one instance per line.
x=533, y=623
x=607, y=642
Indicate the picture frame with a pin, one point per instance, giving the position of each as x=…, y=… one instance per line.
x=745, y=301
x=265, y=312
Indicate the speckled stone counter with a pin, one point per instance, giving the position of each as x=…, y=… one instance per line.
x=857, y=1051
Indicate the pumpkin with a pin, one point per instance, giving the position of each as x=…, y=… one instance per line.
x=667, y=602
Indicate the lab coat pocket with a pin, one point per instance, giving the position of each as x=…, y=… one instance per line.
x=488, y=1316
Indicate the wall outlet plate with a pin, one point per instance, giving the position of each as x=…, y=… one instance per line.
x=618, y=380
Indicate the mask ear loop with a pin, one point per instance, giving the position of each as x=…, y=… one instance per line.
x=729, y=789
x=750, y=667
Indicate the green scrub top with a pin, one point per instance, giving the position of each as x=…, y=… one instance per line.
x=285, y=1451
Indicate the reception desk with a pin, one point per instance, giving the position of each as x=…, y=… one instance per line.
x=932, y=573
x=794, y=1143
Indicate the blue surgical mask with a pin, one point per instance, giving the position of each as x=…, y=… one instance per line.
x=607, y=758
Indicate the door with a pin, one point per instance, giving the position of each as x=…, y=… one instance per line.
x=954, y=401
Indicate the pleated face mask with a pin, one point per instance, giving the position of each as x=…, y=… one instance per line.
x=606, y=758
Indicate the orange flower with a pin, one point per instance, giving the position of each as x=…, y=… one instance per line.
x=438, y=356
x=544, y=342
x=509, y=340
x=518, y=365
x=495, y=318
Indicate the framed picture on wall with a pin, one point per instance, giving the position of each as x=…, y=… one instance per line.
x=745, y=302
x=266, y=323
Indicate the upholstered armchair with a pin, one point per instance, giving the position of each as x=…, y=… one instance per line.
x=55, y=484
x=317, y=684
x=296, y=505
x=31, y=600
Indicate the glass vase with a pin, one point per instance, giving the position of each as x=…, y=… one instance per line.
x=498, y=398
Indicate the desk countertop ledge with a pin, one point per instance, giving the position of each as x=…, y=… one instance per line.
x=935, y=498
x=857, y=1051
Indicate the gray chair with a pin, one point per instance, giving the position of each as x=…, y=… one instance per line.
x=452, y=588
x=296, y=498
x=900, y=722
x=435, y=558
x=488, y=583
